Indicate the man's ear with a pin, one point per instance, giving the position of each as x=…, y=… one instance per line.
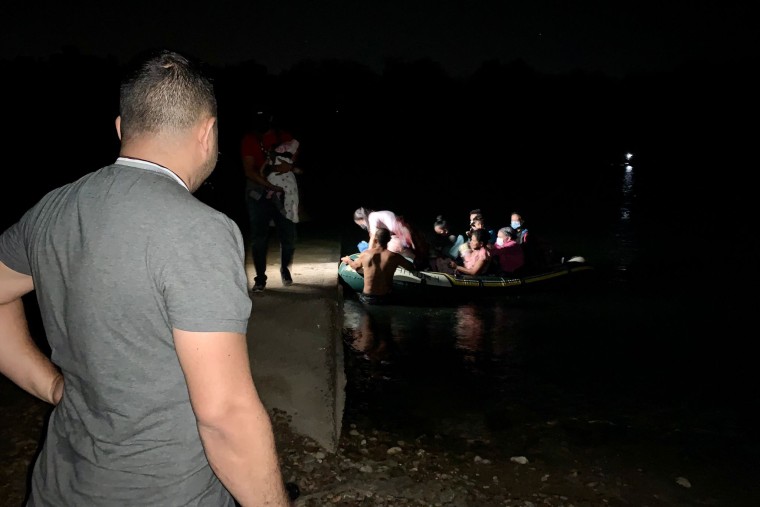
x=205, y=133
x=118, y=127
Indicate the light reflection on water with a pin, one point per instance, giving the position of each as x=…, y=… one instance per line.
x=443, y=370
x=624, y=232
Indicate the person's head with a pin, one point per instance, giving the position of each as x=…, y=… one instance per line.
x=475, y=213
x=478, y=223
x=516, y=221
x=479, y=238
x=259, y=121
x=360, y=217
x=504, y=235
x=441, y=226
x=167, y=101
x=382, y=237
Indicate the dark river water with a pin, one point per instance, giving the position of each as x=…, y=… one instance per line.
x=658, y=341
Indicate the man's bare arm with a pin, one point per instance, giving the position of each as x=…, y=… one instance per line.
x=283, y=167
x=406, y=263
x=20, y=358
x=233, y=423
x=356, y=264
x=475, y=269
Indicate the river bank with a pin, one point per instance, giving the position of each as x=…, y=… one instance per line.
x=560, y=463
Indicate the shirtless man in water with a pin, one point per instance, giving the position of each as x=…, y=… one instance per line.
x=378, y=264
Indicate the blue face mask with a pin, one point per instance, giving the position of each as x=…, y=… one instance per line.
x=515, y=225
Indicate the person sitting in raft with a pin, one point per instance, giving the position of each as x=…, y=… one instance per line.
x=506, y=252
x=521, y=230
x=474, y=214
x=443, y=244
x=477, y=261
x=378, y=265
x=479, y=222
x=538, y=253
x=401, y=235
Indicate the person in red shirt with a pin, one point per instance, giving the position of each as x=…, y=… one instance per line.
x=507, y=252
x=262, y=201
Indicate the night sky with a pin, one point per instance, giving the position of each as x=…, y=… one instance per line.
x=614, y=38
x=686, y=66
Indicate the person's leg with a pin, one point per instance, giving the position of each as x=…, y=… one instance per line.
x=259, y=216
x=286, y=230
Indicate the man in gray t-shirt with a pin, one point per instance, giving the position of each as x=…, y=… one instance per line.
x=143, y=295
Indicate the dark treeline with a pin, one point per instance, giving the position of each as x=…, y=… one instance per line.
x=408, y=136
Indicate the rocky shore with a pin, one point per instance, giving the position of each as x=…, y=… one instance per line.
x=559, y=463
x=374, y=468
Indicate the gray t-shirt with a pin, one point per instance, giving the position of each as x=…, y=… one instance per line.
x=120, y=257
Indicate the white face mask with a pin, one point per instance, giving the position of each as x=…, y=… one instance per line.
x=500, y=241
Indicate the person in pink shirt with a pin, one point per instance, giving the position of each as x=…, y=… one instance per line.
x=478, y=261
x=507, y=253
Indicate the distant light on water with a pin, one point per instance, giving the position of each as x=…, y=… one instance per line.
x=624, y=231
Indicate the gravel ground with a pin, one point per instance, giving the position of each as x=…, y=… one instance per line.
x=554, y=463
x=374, y=468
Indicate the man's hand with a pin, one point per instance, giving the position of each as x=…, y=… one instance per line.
x=21, y=360
x=355, y=264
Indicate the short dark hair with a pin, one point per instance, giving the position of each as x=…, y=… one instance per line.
x=482, y=235
x=164, y=91
x=383, y=236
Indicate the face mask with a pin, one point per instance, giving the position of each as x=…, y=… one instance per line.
x=515, y=225
x=500, y=241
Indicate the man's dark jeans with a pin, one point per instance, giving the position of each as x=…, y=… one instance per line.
x=260, y=213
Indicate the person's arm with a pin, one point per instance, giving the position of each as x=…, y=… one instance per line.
x=406, y=264
x=356, y=264
x=282, y=168
x=20, y=358
x=257, y=174
x=233, y=423
x=476, y=269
